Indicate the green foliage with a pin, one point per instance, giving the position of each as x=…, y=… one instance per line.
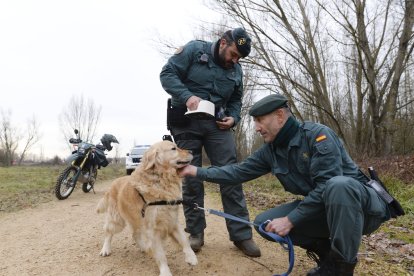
x=111, y=171
x=400, y=228
x=28, y=186
x=404, y=193
x=267, y=183
x=266, y=192
x=19, y=178
x=23, y=187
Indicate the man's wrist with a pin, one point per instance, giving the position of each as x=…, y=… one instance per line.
x=201, y=173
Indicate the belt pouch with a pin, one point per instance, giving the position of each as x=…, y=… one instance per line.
x=176, y=117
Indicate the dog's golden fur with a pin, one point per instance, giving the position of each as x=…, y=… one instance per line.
x=156, y=179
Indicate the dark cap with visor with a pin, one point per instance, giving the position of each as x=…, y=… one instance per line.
x=268, y=104
x=242, y=41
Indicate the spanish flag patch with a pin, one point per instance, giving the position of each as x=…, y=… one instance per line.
x=320, y=138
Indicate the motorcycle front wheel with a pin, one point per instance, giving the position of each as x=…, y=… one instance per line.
x=64, y=184
x=87, y=187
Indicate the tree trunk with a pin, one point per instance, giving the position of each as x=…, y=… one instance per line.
x=390, y=110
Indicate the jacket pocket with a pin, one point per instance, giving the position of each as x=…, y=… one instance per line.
x=324, y=147
x=225, y=86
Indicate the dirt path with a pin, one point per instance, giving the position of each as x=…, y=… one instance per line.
x=65, y=237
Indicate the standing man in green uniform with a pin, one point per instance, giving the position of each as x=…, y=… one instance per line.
x=209, y=71
x=309, y=160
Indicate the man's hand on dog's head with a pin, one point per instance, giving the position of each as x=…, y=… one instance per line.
x=189, y=170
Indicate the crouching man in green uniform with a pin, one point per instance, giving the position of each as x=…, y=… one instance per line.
x=310, y=160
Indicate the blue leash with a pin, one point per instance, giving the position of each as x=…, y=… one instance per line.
x=285, y=241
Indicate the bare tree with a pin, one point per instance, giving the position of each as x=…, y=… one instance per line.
x=339, y=62
x=244, y=127
x=9, y=138
x=80, y=115
x=405, y=118
x=383, y=40
x=292, y=54
x=32, y=136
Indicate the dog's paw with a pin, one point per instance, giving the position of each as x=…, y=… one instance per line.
x=105, y=252
x=143, y=247
x=191, y=259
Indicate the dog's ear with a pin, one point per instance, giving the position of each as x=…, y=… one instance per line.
x=148, y=160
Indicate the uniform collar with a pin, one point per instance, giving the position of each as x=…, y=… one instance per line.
x=286, y=133
x=210, y=50
x=294, y=141
x=214, y=51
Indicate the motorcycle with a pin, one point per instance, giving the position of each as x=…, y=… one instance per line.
x=85, y=161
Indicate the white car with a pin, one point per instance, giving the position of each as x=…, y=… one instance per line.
x=133, y=159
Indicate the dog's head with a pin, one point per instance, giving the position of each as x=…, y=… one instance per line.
x=165, y=155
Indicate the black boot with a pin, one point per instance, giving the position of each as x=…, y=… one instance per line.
x=318, y=252
x=343, y=268
x=334, y=265
x=196, y=241
x=248, y=247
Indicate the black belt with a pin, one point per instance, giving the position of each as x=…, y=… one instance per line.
x=186, y=136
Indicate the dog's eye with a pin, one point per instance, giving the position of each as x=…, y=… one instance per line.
x=174, y=149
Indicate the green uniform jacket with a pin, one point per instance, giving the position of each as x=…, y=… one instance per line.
x=314, y=155
x=188, y=74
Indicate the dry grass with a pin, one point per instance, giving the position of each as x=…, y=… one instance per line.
x=28, y=186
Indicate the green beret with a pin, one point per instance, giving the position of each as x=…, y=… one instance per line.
x=268, y=104
x=242, y=41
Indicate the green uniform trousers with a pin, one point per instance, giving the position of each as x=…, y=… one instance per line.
x=221, y=150
x=351, y=210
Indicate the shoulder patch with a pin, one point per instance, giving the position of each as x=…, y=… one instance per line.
x=320, y=138
x=179, y=50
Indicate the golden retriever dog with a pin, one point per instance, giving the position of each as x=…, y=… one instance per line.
x=128, y=202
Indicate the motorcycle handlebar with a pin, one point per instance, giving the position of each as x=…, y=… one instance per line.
x=75, y=141
x=101, y=147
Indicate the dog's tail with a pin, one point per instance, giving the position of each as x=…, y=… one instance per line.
x=102, y=205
